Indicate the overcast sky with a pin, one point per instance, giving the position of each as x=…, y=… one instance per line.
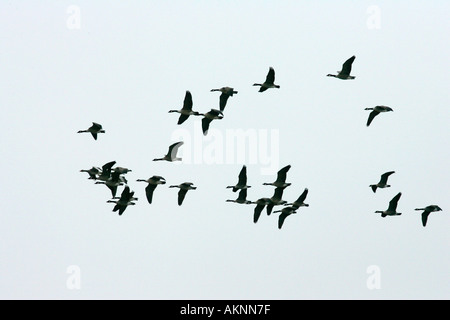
x=125, y=64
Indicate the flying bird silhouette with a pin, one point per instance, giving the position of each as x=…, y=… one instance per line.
x=94, y=129
x=226, y=93
x=153, y=182
x=344, y=74
x=242, y=180
x=376, y=111
x=184, y=188
x=186, y=110
x=172, y=153
x=426, y=212
x=269, y=83
x=392, y=209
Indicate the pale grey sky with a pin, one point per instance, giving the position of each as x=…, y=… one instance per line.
x=124, y=64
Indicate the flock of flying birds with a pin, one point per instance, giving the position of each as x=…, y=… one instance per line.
x=113, y=177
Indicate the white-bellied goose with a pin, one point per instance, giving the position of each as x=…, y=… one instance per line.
x=242, y=180
x=184, y=188
x=269, y=83
x=281, y=178
x=300, y=202
x=153, y=182
x=186, y=110
x=112, y=183
x=392, y=209
x=426, y=212
x=124, y=201
x=92, y=172
x=344, y=74
x=260, y=204
x=226, y=93
x=276, y=199
x=106, y=171
x=211, y=115
x=172, y=153
x=376, y=111
x=94, y=129
x=285, y=212
x=242, y=198
x=383, y=181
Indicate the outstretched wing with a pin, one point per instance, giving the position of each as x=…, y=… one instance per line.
x=187, y=103
x=270, y=78
x=182, y=118
x=303, y=196
x=173, y=149
x=394, y=201
x=425, y=215
x=223, y=100
x=243, y=176
x=149, y=192
x=181, y=195
x=347, y=66
x=281, y=219
x=281, y=176
x=384, y=176
x=205, y=125
x=372, y=115
x=257, y=213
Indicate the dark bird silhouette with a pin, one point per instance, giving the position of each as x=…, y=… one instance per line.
x=186, y=111
x=226, y=93
x=124, y=201
x=242, y=198
x=112, y=183
x=172, y=153
x=285, y=212
x=242, y=180
x=94, y=129
x=376, y=111
x=184, y=188
x=153, y=182
x=392, y=209
x=106, y=171
x=276, y=199
x=426, y=212
x=260, y=204
x=300, y=202
x=383, y=181
x=269, y=83
x=92, y=172
x=344, y=74
x=281, y=178
x=211, y=115
x=121, y=170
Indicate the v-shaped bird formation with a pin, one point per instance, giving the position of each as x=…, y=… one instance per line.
x=114, y=177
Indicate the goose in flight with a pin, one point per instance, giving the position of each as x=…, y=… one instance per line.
x=260, y=204
x=106, y=171
x=383, y=181
x=112, y=183
x=242, y=180
x=184, y=188
x=376, y=111
x=392, y=209
x=92, y=172
x=126, y=199
x=426, y=212
x=344, y=74
x=226, y=93
x=94, y=129
x=153, y=182
x=285, y=212
x=276, y=199
x=281, y=178
x=242, y=198
x=172, y=153
x=186, y=110
x=269, y=83
x=211, y=115
x=300, y=202
x=121, y=170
